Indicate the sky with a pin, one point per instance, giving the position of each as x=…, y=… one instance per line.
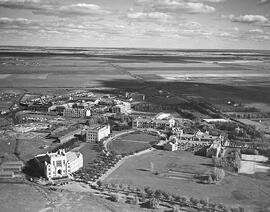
x=187, y=24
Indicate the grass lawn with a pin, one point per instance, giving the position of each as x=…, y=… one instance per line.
x=175, y=175
x=26, y=198
x=120, y=147
x=89, y=153
x=20, y=198
x=131, y=142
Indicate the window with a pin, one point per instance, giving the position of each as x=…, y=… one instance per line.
x=59, y=163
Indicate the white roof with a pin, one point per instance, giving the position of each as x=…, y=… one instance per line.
x=162, y=115
x=71, y=156
x=216, y=120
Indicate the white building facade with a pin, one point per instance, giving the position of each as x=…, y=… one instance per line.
x=60, y=164
x=76, y=112
x=97, y=133
x=153, y=123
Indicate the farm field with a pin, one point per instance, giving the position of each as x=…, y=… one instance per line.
x=216, y=76
x=131, y=143
x=175, y=171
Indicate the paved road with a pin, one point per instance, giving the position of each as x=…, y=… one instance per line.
x=107, y=141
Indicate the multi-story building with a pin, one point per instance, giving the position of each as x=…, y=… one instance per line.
x=121, y=107
x=12, y=166
x=171, y=145
x=164, y=123
x=76, y=113
x=142, y=122
x=97, y=133
x=59, y=164
x=153, y=123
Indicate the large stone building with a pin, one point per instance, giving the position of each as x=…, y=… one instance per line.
x=97, y=133
x=76, y=113
x=73, y=110
x=121, y=107
x=141, y=122
x=59, y=164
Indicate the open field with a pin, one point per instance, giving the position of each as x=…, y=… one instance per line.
x=216, y=76
x=175, y=175
x=27, y=198
x=21, y=197
x=28, y=148
x=131, y=142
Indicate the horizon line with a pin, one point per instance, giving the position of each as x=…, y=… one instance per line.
x=153, y=48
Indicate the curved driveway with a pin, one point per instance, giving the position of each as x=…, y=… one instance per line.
x=107, y=141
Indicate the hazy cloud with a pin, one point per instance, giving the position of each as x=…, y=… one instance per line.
x=260, y=31
x=148, y=16
x=190, y=25
x=260, y=19
x=264, y=2
x=211, y=1
x=173, y=6
x=48, y=7
x=80, y=9
x=19, y=23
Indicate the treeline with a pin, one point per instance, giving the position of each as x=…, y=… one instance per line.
x=74, y=142
x=201, y=107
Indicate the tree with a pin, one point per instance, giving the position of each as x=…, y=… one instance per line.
x=184, y=201
x=108, y=186
x=99, y=183
x=194, y=201
x=218, y=175
x=153, y=203
x=178, y=199
x=203, y=202
x=149, y=192
x=115, y=197
x=171, y=197
x=175, y=208
x=138, y=190
x=158, y=194
x=123, y=186
x=113, y=186
x=143, y=197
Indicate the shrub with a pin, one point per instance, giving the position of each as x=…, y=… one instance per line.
x=115, y=197
x=184, y=201
x=218, y=175
x=178, y=199
x=203, y=202
x=194, y=201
